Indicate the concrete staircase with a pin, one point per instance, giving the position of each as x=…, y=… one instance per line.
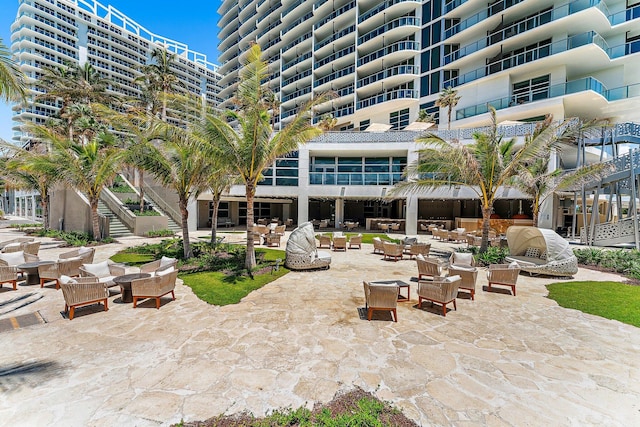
x=116, y=227
x=171, y=224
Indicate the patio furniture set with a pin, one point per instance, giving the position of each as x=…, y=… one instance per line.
x=338, y=241
x=84, y=283
x=269, y=235
x=409, y=246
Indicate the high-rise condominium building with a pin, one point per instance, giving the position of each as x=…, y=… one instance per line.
x=49, y=33
x=386, y=60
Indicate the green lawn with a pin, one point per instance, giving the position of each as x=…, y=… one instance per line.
x=132, y=258
x=611, y=300
x=366, y=237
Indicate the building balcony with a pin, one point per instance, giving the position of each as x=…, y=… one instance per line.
x=410, y=71
x=339, y=60
x=398, y=28
x=385, y=11
x=525, y=56
x=398, y=94
x=344, y=178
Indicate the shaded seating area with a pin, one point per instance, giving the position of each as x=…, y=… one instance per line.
x=381, y=297
x=442, y=290
x=540, y=251
x=503, y=274
x=301, y=251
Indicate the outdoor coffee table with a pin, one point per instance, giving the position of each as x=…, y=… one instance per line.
x=31, y=270
x=401, y=284
x=125, y=284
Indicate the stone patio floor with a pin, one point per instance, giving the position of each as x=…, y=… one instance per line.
x=496, y=361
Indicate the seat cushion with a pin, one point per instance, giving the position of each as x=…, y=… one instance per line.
x=324, y=255
x=100, y=269
x=452, y=278
x=532, y=252
x=66, y=280
x=462, y=258
x=13, y=258
x=420, y=257
x=165, y=271
x=106, y=279
x=164, y=261
x=82, y=250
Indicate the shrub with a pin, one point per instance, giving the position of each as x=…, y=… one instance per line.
x=160, y=233
x=146, y=212
x=493, y=255
x=588, y=256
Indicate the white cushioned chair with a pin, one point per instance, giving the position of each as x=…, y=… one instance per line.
x=105, y=272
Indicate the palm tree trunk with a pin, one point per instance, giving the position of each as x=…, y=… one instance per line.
x=449, y=117
x=95, y=219
x=535, y=211
x=141, y=178
x=44, y=202
x=486, y=218
x=186, y=244
x=250, y=262
x=214, y=219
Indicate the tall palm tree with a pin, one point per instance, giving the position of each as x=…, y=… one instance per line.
x=160, y=79
x=536, y=180
x=253, y=146
x=485, y=166
x=180, y=162
x=87, y=167
x=448, y=98
x=12, y=81
x=74, y=84
x=32, y=170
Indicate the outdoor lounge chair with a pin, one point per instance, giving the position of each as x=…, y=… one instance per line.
x=154, y=267
x=393, y=250
x=429, y=267
x=355, y=241
x=105, y=272
x=503, y=274
x=416, y=249
x=462, y=259
x=540, y=251
x=9, y=275
x=442, y=290
x=378, y=245
x=352, y=225
x=272, y=239
x=83, y=291
x=85, y=253
x=155, y=287
x=69, y=267
x=16, y=258
x=468, y=276
x=324, y=241
x=340, y=243
x=301, y=252
x=379, y=296
x=7, y=244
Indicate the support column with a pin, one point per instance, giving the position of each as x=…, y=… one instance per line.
x=303, y=185
x=286, y=211
x=339, y=212
x=303, y=208
x=33, y=207
x=411, y=224
x=192, y=220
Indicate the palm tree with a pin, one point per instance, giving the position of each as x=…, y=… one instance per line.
x=448, y=98
x=253, y=146
x=327, y=122
x=536, y=180
x=485, y=166
x=160, y=80
x=31, y=170
x=86, y=167
x=74, y=84
x=425, y=117
x=12, y=82
x=179, y=161
x=220, y=181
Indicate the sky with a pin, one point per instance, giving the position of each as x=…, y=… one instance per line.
x=193, y=22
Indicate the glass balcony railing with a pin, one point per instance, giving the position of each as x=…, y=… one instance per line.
x=625, y=15
x=297, y=60
x=379, y=8
x=514, y=59
x=344, y=178
x=334, y=37
x=574, y=86
x=347, y=7
x=392, y=71
x=335, y=75
x=388, y=96
x=452, y=4
x=346, y=51
x=396, y=47
x=404, y=21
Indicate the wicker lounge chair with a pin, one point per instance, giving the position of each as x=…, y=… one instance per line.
x=83, y=291
x=540, y=251
x=8, y=245
x=16, y=258
x=503, y=274
x=378, y=245
x=393, y=250
x=272, y=239
x=105, y=272
x=301, y=252
x=442, y=290
x=9, y=275
x=69, y=267
x=468, y=276
x=324, y=241
x=462, y=259
x=154, y=287
x=382, y=297
x=355, y=241
x=340, y=243
x=429, y=267
x=86, y=254
x=158, y=265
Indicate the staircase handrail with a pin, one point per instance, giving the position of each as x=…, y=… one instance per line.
x=117, y=207
x=160, y=202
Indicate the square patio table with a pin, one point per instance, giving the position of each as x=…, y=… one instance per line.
x=401, y=286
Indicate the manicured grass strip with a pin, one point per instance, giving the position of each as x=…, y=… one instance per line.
x=366, y=237
x=132, y=258
x=611, y=300
x=218, y=288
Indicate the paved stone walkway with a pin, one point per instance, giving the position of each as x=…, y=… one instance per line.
x=497, y=361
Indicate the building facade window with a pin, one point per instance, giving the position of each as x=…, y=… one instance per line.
x=399, y=119
x=356, y=170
